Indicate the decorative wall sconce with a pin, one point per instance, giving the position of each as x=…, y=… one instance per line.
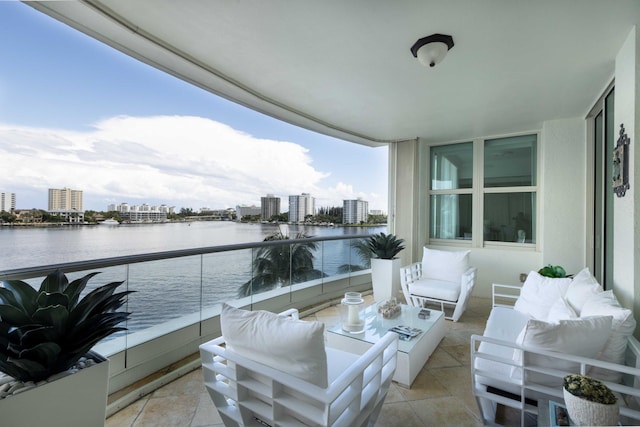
x=621, y=164
x=432, y=49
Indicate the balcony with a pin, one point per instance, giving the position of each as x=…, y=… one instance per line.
x=441, y=394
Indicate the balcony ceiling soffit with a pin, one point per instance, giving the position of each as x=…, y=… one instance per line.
x=345, y=69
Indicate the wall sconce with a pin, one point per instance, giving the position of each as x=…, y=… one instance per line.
x=432, y=49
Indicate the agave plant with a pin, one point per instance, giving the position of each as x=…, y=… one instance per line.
x=385, y=246
x=46, y=331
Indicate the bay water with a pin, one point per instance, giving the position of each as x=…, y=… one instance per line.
x=172, y=288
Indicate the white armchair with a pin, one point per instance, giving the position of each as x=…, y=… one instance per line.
x=443, y=278
x=251, y=385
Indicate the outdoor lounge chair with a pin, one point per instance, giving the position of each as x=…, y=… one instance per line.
x=442, y=278
x=270, y=369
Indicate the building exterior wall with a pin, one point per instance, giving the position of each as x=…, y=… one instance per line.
x=270, y=206
x=301, y=206
x=355, y=211
x=246, y=210
x=65, y=199
x=7, y=202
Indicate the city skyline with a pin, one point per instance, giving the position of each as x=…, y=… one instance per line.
x=75, y=113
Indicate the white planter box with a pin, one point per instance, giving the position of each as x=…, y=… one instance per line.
x=385, y=278
x=75, y=400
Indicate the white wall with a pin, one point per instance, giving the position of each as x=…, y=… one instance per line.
x=563, y=201
x=626, y=241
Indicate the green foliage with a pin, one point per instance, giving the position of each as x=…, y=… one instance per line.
x=46, y=331
x=281, y=265
x=553, y=271
x=385, y=246
x=589, y=389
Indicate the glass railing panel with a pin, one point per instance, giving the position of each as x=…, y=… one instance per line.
x=165, y=290
x=225, y=277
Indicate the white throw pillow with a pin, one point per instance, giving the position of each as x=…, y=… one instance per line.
x=539, y=293
x=580, y=337
x=623, y=326
x=289, y=345
x=582, y=287
x=444, y=265
x=561, y=310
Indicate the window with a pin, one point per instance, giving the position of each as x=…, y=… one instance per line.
x=506, y=186
x=451, y=195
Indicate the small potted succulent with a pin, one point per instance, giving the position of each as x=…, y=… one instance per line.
x=589, y=401
x=46, y=337
x=385, y=266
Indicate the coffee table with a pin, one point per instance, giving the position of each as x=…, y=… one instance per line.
x=412, y=354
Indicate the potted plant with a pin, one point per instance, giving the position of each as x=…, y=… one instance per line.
x=385, y=266
x=46, y=336
x=589, y=402
x=552, y=271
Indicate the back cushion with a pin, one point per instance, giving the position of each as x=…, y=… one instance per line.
x=292, y=346
x=623, y=326
x=580, y=337
x=582, y=287
x=539, y=294
x=444, y=265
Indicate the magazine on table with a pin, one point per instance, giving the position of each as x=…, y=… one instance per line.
x=406, y=332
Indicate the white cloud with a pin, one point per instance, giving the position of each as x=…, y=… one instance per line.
x=177, y=160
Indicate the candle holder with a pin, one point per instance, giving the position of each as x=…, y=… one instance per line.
x=351, y=313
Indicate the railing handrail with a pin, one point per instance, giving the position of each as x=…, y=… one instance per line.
x=67, y=267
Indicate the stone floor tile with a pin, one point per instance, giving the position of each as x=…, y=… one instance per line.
x=191, y=383
x=444, y=411
x=126, y=416
x=168, y=411
x=206, y=413
x=398, y=414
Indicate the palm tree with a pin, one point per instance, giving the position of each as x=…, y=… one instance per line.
x=361, y=247
x=281, y=265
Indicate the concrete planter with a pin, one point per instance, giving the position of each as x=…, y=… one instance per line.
x=79, y=399
x=385, y=278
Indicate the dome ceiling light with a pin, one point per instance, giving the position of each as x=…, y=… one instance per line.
x=432, y=49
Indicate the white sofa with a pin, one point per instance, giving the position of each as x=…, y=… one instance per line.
x=443, y=278
x=275, y=370
x=556, y=327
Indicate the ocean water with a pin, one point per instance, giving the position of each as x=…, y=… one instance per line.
x=171, y=288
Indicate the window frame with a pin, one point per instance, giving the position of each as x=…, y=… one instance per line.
x=478, y=192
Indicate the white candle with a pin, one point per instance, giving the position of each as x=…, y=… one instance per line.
x=353, y=318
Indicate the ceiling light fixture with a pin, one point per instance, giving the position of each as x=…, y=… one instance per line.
x=432, y=49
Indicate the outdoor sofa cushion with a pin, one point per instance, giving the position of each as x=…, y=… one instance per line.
x=289, y=345
x=437, y=289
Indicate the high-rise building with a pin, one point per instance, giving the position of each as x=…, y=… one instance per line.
x=65, y=199
x=355, y=211
x=269, y=206
x=7, y=202
x=301, y=206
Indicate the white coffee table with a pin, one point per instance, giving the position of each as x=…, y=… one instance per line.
x=412, y=354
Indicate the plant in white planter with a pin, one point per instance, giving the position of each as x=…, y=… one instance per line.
x=589, y=402
x=45, y=333
x=385, y=267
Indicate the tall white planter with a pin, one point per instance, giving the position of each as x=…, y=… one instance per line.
x=78, y=399
x=385, y=278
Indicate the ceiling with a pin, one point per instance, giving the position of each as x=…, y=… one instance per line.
x=344, y=68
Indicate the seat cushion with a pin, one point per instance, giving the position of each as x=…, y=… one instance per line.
x=444, y=265
x=503, y=324
x=539, y=293
x=579, y=337
x=288, y=345
x=582, y=287
x=622, y=327
x=437, y=289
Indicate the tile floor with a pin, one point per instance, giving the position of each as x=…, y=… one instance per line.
x=440, y=396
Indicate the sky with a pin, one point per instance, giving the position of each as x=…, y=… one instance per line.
x=75, y=113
